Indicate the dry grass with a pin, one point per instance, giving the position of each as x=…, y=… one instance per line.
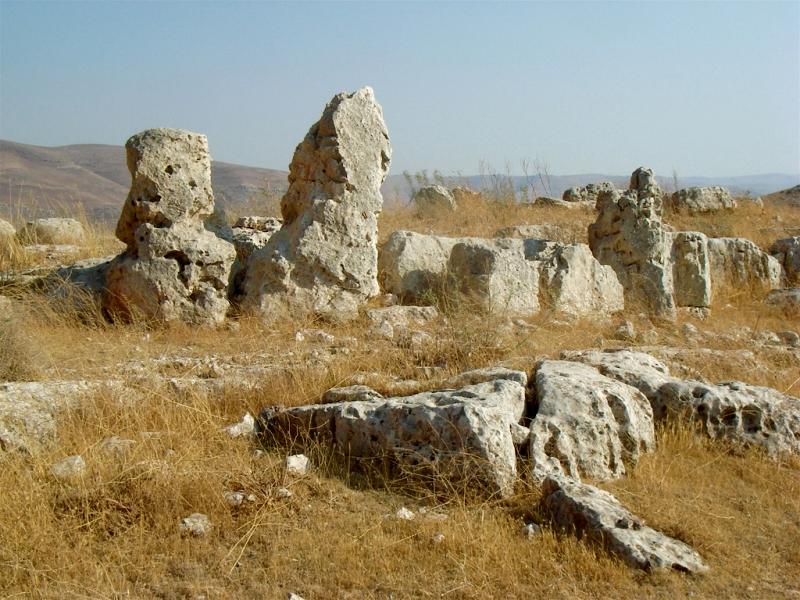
x=114, y=533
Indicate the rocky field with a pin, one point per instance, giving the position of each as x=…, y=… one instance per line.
x=582, y=397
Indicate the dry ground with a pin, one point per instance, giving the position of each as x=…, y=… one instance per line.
x=114, y=532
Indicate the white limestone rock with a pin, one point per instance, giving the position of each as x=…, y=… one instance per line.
x=244, y=428
x=434, y=198
x=323, y=261
x=629, y=236
x=196, y=524
x=462, y=434
x=297, y=464
x=586, y=424
x=52, y=231
x=598, y=516
x=787, y=253
x=691, y=269
x=702, y=200
x=737, y=262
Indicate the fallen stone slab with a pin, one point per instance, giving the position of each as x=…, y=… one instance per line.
x=597, y=516
x=458, y=435
x=586, y=424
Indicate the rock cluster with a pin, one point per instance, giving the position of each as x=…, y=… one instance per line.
x=323, y=260
x=173, y=268
x=514, y=276
x=588, y=193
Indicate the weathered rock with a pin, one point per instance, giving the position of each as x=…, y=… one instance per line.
x=587, y=193
x=297, y=464
x=787, y=300
x=244, y=428
x=496, y=275
x=70, y=467
x=178, y=273
x=572, y=281
x=691, y=269
x=735, y=411
x=323, y=260
x=196, y=524
x=170, y=181
x=173, y=269
x=453, y=434
x=702, y=200
x=265, y=224
x=7, y=232
x=559, y=203
x=737, y=262
x=586, y=424
x=52, y=231
x=543, y=231
x=434, y=198
x=413, y=265
x=598, y=516
x=350, y=393
x=629, y=236
x=787, y=253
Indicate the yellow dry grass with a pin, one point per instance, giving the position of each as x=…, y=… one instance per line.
x=113, y=532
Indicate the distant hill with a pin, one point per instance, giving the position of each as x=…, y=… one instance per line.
x=38, y=181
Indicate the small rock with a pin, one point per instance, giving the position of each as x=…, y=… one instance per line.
x=520, y=434
x=790, y=338
x=625, y=331
x=438, y=538
x=293, y=596
x=315, y=335
x=245, y=427
x=197, y=524
x=234, y=498
x=404, y=514
x=531, y=530
x=283, y=493
x=297, y=464
x=69, y=467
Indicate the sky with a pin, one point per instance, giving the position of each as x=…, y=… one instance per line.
x=701, y=88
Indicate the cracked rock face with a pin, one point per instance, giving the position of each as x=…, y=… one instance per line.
x=598, y=516
x=323, y=261
x=738, y=412
x=173, y=269
x=463, y=434
x=586, y=424
x=629, y=237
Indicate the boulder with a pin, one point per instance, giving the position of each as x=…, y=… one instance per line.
x=691, y=269
x=7, y=232
x=456, y=435
x=587, y=193
x=413, y=266
x=586, y=424
x=52, y=231
x=629, y=237
x=323, y=261
x=787, y=253
x=787, y=300
x=496, y=275
x=433, y=198
x=173, y=268
x=170, y=181
x=462, y=194
x=702, y=200
x=738, y=412
x=737, y=262
x=599, y=517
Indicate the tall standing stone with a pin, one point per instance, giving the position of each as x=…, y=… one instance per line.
x=323, y=261
x=173, y=268
x=629, y=237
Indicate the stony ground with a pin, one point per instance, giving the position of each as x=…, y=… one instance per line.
x=114, y=532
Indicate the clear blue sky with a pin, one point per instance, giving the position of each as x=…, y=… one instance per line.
x=705, y=88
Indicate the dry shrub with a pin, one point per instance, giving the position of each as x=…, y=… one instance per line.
x=21, y=358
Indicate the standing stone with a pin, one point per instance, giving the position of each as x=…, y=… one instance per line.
x=691, y=269
x=173, y=268
x=433, y=198
x=323, y=261
x=738, y=262
x=629, y=237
